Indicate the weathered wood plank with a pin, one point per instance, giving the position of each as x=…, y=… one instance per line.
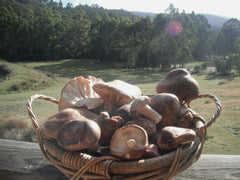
x=23, y=160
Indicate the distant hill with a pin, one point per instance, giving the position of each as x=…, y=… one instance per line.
x=215, y=21
x=144, y=14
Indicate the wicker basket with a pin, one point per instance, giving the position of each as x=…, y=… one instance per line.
x=77, y=165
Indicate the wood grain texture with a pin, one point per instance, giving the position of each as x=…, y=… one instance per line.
x=23, y=160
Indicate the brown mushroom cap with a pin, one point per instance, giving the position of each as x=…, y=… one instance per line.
x=171, y=137
x=86, y=114
x=148, y=125
x=129, y=142
x=52, y=125
x=181, y=83
x=77, y=89
x=77, y=135
x=116, y=93
x=168, y=106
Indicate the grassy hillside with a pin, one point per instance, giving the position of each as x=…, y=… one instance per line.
x=49, y=77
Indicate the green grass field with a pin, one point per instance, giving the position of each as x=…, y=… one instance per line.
x=48, y=78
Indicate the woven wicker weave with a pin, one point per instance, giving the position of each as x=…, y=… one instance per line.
x=77, y=165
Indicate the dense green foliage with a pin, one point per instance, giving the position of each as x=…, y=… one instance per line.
x=45, y=30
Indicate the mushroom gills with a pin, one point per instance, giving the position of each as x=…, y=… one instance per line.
x=129, y=142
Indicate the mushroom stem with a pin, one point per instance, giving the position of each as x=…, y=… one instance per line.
x=131, y=143
x=151, y=114
x=140, y=106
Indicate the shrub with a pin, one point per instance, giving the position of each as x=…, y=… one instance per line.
x=204, y=66
x=32, y=84
x=15, y=87
x=223, y=66
x=5, y=71
x=17, y=130
x=197, y=69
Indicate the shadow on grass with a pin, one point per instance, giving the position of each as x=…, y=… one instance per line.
x=219, y=76
x=73, y=68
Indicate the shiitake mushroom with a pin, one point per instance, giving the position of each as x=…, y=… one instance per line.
x=129, y=142
x=170, y=137
x=140, y=106
x=181, y=83
x=168, y=106
x=77, y=134
x=78, y=89
x=51, y=126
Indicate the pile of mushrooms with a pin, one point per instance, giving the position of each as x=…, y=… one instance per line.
x=114, y=118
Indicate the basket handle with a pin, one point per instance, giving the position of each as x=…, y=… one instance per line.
x=34, y=119
x=217, y=113
x=29, y=107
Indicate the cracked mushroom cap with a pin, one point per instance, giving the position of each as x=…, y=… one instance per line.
x=185, y=118
x=52, y=125
x=116, y=93
x=77, y=135
x=78, y=92
x=129, y=142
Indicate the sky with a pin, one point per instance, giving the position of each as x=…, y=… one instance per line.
x=225, y=8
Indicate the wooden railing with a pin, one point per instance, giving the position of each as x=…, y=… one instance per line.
x=23, y=160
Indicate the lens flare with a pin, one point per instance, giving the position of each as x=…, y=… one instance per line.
x=174, y=28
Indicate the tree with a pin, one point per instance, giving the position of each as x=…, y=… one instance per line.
x=219, y=45
x=143, y=34
x=231, y=31
x=203, y=35
x=227, y=38
x=8, y=29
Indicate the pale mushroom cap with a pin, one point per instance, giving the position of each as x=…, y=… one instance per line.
x=129, y=142
x=76, y=135
x=117, y=92
x=90, y=103
x=76, y=89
